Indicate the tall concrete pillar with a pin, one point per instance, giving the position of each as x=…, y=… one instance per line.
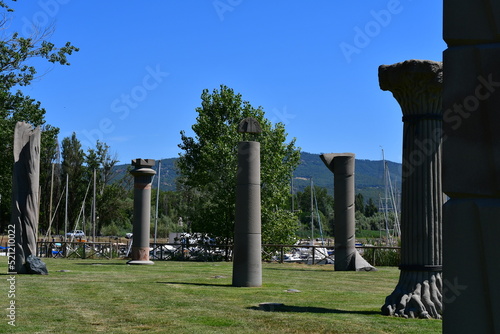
x=417, y=86
x=143, y=175
x=346, y=256
x=471, y=166
x=247, y=252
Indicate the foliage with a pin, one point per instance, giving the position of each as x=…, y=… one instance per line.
x=73, y=172
x=323, y=205
x=116, y=228
x=16, y=53
x=359, y=202
x=113, y=204
x=370, y=208
x=111, y=201
x=374, y=222
x=50, y=175
x=382, y=257
x=208, y=166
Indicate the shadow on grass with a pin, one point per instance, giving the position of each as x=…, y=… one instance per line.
x=308, y=309
x=197, y=284
x=328, y=269
x=101, y=264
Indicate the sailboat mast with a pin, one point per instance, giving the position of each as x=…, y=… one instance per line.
x=93, y=209
x=66, y=210
x=50, y=203
x=386, y=199
x=312, y=213
x=157, y=199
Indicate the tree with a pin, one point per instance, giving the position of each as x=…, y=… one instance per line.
x=15, y=71
x=359, y=202
x=370, y=208
x=50, y=176
x=209, y=165
x=110, y=198
x=324, y=203
x=72, y=168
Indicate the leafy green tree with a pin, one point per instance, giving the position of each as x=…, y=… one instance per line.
x=50, y=177
x=72, y=167
x=359, y=202
x=370, y=208
x=323, y=204
x=110, y=197
x=16, y=70
x=209, y=164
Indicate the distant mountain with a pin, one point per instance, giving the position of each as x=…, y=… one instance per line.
x=369, y=175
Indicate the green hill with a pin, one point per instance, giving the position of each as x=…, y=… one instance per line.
x=368, y=175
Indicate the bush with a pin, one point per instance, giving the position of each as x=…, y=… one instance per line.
x=382, y=257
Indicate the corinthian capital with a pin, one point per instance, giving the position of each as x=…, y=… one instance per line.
x=415, y=84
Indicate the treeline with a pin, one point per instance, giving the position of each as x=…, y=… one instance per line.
x=114, y=197
x=66, y=167
x=80, y=176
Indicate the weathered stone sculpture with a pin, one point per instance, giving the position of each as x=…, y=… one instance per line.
x=347, y=257
x=143, y=175
x=471, y=166
x=25, y=198
x=417, y=86
x=247, y=254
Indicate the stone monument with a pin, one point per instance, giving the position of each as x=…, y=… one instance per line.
x=417, y=86
x=471, y=166
x=247, y=253
x=347, y=257
x=143, y=175
x=25, y=199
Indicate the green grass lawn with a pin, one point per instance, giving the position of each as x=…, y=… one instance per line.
x=192, y=297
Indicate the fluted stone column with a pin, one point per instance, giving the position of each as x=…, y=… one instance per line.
x=247, y=256
x=346, y=256
x=25, y=199
x=471, y=167
x=143, y=175
x=417, y=86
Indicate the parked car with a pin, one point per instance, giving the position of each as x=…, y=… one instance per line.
x=76, y=234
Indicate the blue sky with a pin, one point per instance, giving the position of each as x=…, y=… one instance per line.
x=312, y=65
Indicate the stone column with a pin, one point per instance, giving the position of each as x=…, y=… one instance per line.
x=346, y=256
x=417, y=86
x=247, y=252
x=471, y=166
x=143, y=175
x=25, y=199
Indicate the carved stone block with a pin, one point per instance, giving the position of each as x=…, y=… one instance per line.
x=471, y=123
x=471, y=22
